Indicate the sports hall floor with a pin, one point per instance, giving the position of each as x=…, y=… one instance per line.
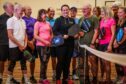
x=18, y=75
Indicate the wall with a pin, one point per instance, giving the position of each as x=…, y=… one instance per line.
x=56, y=4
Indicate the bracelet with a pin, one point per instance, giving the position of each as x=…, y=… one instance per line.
x=92, y=44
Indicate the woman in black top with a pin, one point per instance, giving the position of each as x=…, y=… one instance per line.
x=65, y=51
x=120, y=46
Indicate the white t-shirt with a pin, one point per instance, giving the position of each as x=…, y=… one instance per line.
x=19, y=29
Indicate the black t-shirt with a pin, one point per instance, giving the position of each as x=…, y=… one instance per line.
x=123, y=45
x=61, y=27
x=3, y=29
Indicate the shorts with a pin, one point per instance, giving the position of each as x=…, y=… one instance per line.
x=15, y=54
x=103, y=47
x=4, y=52
x=53, y=51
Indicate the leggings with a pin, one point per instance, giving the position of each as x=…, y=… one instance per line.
x=44, y=58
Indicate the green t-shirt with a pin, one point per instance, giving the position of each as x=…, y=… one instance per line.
x=88, y=36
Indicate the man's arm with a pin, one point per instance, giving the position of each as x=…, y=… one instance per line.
x=14, y=40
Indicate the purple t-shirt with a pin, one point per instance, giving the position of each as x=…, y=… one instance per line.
x=29, y=26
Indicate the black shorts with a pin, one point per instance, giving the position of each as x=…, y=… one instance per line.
x=15, y=54
x=103, y=47
x=4, y=52
x=53, y=51
x=33, y=52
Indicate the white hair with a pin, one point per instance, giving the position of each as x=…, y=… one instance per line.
x=18, y=6
x=88, y=5
x=117, y=3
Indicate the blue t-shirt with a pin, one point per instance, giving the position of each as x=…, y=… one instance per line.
x=51, y=21
x=76, y=20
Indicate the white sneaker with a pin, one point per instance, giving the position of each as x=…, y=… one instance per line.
x=54, y=76
x=75, y=77
x=27, y=81
x=8, y=81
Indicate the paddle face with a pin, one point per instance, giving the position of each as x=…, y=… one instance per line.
x=57, y=41
x=73, y=30
x=28, y=55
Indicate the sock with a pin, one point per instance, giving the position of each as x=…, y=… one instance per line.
x=1, y=76
x=9, y=78
x=25, y=77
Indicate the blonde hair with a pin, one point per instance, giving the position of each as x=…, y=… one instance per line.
x=107, y=11
x=18, y=6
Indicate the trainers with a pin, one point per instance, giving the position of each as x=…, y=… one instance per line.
x=120, y=82
x=27, y=81
x=1, y=80
x=75, y=77
x=118, y=78
x=54, y=76
x=40, y=82
x=13, y=81
x=46, y=82
x=33, y=80
x=70, y=82
x=58, y=82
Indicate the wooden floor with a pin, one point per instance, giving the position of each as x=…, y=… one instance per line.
x=18, y=75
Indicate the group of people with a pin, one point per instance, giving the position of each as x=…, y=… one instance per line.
x=19, y=31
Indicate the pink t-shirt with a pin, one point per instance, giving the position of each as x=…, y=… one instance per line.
x=44, y=31
x=107, y=24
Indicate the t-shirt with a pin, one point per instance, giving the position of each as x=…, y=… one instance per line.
x=3, y=29
x=123, y=45
x=107, y=24
x=76, y=20
x=29, y=26
x=44, y=30
x=88, y=36
x=51, y=21
x=19, y=29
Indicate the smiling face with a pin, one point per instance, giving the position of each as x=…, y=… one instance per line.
x=73, y=13
x=28, y=11
x=102, y=13
x=121, y=13
x=43, y=16
x=51, y=13
x=86, y=10
x=65, y=11
x=9, y=8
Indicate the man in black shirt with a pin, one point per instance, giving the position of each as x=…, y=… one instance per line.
x=8, y=8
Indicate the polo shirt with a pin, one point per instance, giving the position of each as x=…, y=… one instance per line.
x=18, y=26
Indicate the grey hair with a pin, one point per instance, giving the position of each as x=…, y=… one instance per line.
x=17, y=6
x=5, y=5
